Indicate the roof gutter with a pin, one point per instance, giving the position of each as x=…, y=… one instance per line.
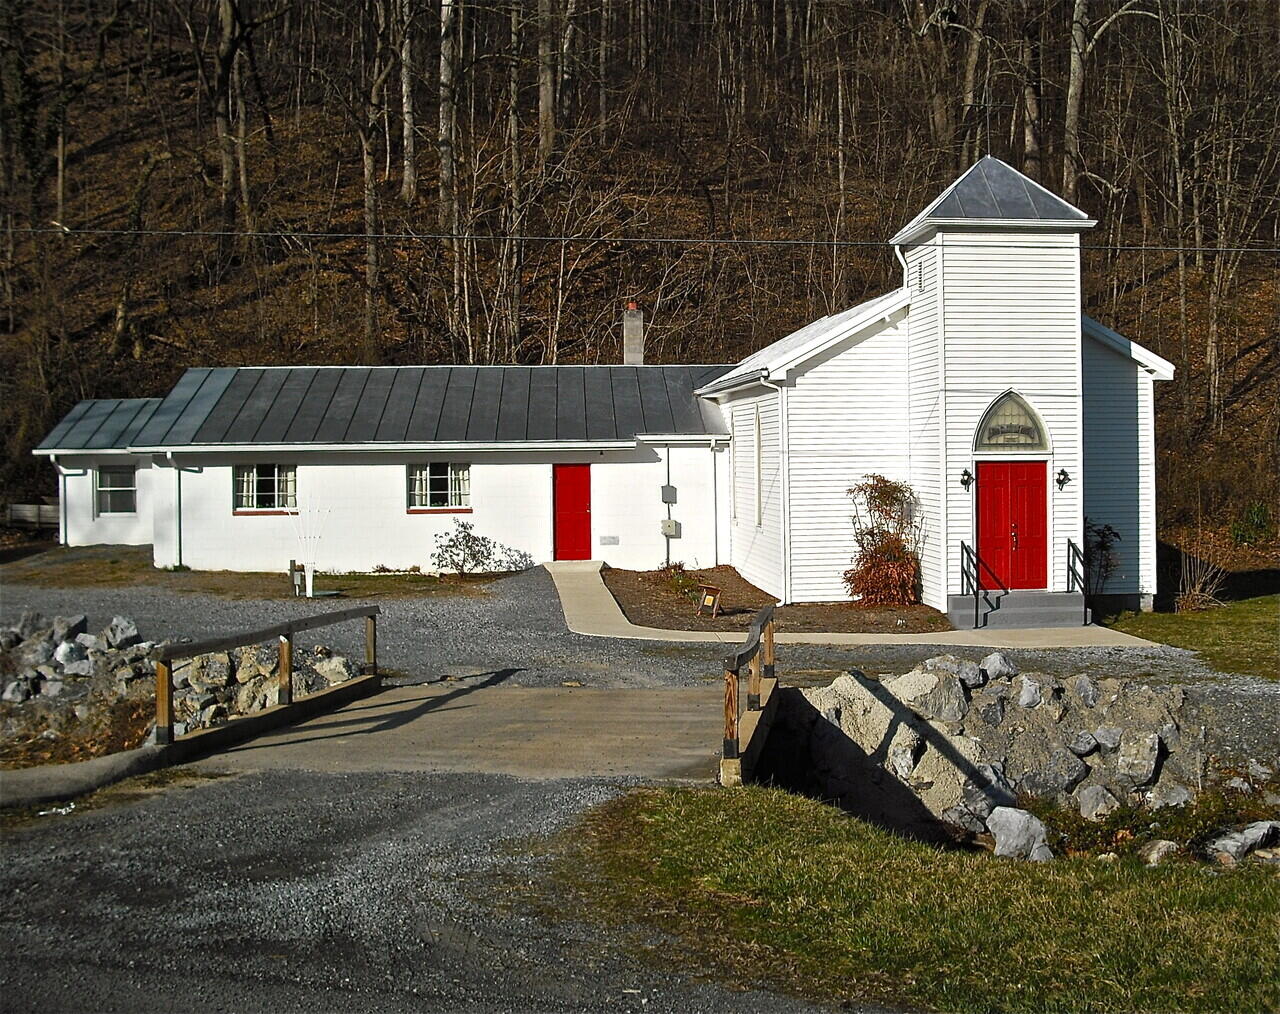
x=721, y=387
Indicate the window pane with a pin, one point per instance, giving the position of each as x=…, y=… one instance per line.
x=117, y=501
x=459, y=485
x=115, y=478
x=417, y=486
x=287, y=486
x=1010, y=425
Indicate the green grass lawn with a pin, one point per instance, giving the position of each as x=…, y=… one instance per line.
x=767, y=887
x=1238, y=637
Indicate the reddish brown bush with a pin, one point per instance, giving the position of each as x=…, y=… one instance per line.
x=886, y=565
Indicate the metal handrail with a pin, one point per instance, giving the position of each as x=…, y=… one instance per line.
x=971, y=564
x=1077, y=576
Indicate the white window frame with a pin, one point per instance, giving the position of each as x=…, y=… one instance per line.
x=251, y=494
x=759, y=472
x=99, y=489
x=434, y=486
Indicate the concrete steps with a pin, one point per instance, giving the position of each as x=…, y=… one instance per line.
x=1009, y=610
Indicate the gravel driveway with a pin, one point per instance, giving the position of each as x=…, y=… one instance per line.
x=518, y=624
x=291, y=891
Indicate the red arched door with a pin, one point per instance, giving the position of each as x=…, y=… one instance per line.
x=1013, y=523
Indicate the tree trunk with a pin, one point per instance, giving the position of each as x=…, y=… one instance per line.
x=1075, y=89
x=409, y=180
x=369, y=164
x=546, y=84
x=1031, y=145
x=448, y=118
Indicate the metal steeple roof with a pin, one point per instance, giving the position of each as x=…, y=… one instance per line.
x=991, y=192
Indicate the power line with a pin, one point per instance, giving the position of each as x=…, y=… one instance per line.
x=655, y=240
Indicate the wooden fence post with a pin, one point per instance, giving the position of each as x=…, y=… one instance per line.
x=370, y=646
x=285, y=693
x=753, y=683
x=769, y=658
x=730, y=714
x=164, y=704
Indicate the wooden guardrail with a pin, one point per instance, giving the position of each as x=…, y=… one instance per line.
x=165, y=655
x=757, y=654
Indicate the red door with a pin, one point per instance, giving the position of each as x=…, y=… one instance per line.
x=573, y=511
x=1012, y=524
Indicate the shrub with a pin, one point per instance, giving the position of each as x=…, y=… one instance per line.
x=887, y=531
x=1100, y=558
x=681, y=581
x=1254, y=525
x=462, y=551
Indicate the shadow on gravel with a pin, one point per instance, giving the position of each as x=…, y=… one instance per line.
x=363, y=726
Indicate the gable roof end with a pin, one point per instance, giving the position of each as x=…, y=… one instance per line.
x=991, y=192
x=812, y=339
x=1159, y=368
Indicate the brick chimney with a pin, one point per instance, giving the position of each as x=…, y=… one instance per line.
x=632, y=335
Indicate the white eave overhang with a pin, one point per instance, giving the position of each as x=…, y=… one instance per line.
x=781, y=367
x=1159, y=368
x=455, y=447
x=914, y=230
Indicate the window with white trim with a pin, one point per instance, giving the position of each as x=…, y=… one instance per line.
x=116, y=490
x=440, y=485
x=265, y=487
x=759, y=473
x=1010, y=425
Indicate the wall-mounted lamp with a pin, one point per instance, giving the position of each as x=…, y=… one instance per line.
x=966, y=479
x=1062, y=478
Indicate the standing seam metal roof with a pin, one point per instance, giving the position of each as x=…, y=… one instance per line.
x=100, y=424
x=239, y=406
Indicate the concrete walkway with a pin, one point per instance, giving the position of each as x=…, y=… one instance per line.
x=478, y=725
x=590, y=609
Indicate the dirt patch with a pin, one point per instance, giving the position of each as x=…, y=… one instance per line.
x=653, y=598
x=131, y=566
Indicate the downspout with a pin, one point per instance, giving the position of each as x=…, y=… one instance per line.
x=62, y=500
x=715, y=505
x=784, y=465
x=897, y=252
x=177, y=509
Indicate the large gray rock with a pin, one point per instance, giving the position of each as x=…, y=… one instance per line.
x=904, y=752
x=16, y=691
x=91, y=642
x=34, y=651
x=1168, y=793
x=84, y=667
x=1238, y=844
x=935, y=695
x=1108, y=737
x=962, y=669
x=1085, y=689
x=1059, y=773
x=69, y=651
x=29, y=623
x=986, y=790
x=1153, y=853
x=334, y=670
x=122, y=632
x=1019, y=835
x=1083, y=744
x=51, y=688
x=1138, y=758
x=68, y=628
x=1096, y=802
x=1030, y=693
x=998, y=667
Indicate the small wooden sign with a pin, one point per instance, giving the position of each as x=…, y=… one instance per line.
x=709, y=599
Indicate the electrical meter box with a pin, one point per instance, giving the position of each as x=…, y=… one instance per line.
x=668, y=494
x=671, y=529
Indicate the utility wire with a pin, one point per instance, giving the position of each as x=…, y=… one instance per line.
x=656, y=240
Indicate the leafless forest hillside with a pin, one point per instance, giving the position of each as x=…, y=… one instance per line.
x=196, y=182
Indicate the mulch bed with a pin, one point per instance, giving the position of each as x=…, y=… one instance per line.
x=650, y=599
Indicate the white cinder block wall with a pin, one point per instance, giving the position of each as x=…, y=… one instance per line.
x=1119, y=464
x=1010, y=319
x=81, y=523
x=358, y=504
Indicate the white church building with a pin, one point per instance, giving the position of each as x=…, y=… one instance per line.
x=979, y=382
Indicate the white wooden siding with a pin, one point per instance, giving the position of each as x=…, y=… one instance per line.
x=846, y=418
x=1011, y=320
x=1119, y=463
x=924, y=414
x=756, y=550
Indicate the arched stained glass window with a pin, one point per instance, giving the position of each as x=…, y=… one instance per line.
x=1010, y=425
